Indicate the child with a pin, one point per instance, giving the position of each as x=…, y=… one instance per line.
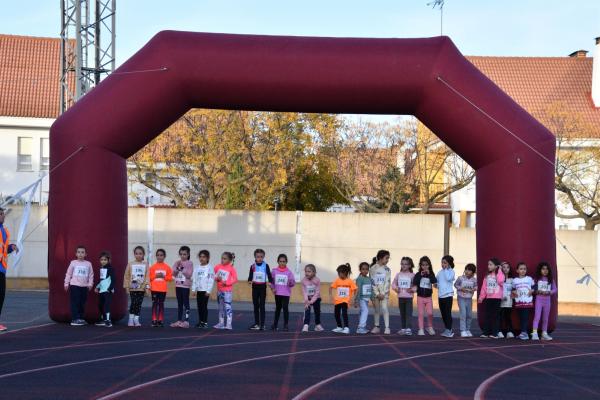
x=364, y=286
x=344, y=291
x=136, y=281
x=79, y=279
x=226, y=277
x=423, y=280
x=491, y=295
x=402, y=285
x=505, y=315
x=544, y=290
x=522, y=292
x=202, y=283
x=259, y=276
x=283, y=282
x=465, y=286
x=445, y=279
x=311, y=291
x=183, y=269
x=160, y=274
x=105, y=288
x=382, y=277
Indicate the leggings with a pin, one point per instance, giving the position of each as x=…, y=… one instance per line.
x=183, y=303
x=104, y=305
x=316, y=306
x=137, y=297
x=406, y=311
x=445, y=304
x=158, y=305
x=523, y=318
x=425, y=305
x=341, y=311
x=505, y=320
x=490, y=324
x=225, y=310
x=202, y=303
x=2, y=289
x=259, y=296
x=542, y=311
x=381, y=306
x=282, y=302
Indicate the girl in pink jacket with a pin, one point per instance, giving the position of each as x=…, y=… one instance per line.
x=490, y=295
x=182, y=273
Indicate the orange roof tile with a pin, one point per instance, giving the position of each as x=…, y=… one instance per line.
x=538, y=82
x=30, y=79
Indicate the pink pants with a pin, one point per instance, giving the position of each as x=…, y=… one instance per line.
x=425, y=304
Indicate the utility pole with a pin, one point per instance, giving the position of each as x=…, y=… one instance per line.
x=87, y=46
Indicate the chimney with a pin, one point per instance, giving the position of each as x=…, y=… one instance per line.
x=578, y=54
x=596, y=74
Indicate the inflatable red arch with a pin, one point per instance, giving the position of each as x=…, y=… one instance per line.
x=176, y=71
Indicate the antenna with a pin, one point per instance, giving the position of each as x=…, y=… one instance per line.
x=440, y=4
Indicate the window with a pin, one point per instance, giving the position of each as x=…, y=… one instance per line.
x=24, y=155
x=44, y=154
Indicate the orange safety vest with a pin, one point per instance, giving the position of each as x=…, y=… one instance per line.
x=4, y=249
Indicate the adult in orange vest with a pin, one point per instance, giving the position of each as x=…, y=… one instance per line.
x=5, y=250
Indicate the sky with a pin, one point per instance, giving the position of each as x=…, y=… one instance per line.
x=484, y=27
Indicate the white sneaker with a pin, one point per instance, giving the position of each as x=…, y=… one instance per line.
x=130, y=322
x=346, y=331
x=469, y=334
x=431, y=331
x=375, y=329
x=510, y=335
x=219, y=326
x=408, y=332
x=421, y=332
x=534, y=336
x=464, y=334
x=337, y=330
x=500, y=335
x=319, y=328
x=305, y=328
x=401, y=332
x=136, y=321
x=524, y=336
x=545, y=336
x=387, y=331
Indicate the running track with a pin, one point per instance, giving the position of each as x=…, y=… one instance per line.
x=54, y=361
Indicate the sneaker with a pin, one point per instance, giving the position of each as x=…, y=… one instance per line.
x=496, y=337
x=510, y=335
x=401, y=332
x=130, y=321
x=184, y=324
x=500, y=335
x=175, y=324
x=362, y=331
x=305, y=328
x=108, y=324
x=254, y=327
x=464, y=334
x=484, y=336
x=100, y=323
x=534, y=336
x=447, y=333
x=346, y=331
x=154, y=323
x=524, y=336
x=337, y=329
x=431, y=331
x=219, y=326
x=3, y=328
x=469, y=334
x=81, y=322
x=387, y=331
x=375, y=329
x=262, y=328
x=545, y=336
x=228, y=327
x=136, y=321
x=421, y=332
x=160, y=324
x=408, y=332
x=319, y=328
x=75, y=322
x=285, y=328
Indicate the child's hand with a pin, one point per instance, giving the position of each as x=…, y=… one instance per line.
x=160, y=275
x=530, y=292
x=66, y=288
x=250, y=283
x=380, y=297
x=97, y=290
x=306, y=305
x=89, y=289
x=479, y=301
x=218, y=278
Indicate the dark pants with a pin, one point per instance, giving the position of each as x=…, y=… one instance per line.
x=104, y=300
x=445, y=305
x=202, y=303
x=490, y=325
x=2, y=289
x=341, y=312
x=406, y=312
x=505, y=320
x=282, y=302
x=137, y=298
x=158, y=305
x=183, y=303
x=524, y=318
x=316, y=306
x=78, y=297
x=259, y=296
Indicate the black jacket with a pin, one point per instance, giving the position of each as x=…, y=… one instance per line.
x=423, y=292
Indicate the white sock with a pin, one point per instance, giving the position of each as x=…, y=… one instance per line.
x=131, y=318
x=136, y=319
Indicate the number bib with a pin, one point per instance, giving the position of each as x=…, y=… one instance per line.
x=425, y=283
x=343, y=292
x=522, y=293
x=81, y=271
x=160, y=271
x=281, y=280
x=224, y=275
x=311, y=290
x=467, y=285
x=103, y=273
x=404, y=283
x=259, y=277
x=366, y=290
x=492, y=285
x=200, y=274
x=544, y=286
x=379, y=278
x=507, y=288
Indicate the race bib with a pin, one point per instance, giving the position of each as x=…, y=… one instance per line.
x=161, y=271
x=507, y=288
x=425, y=283
x=311, y=290
x=404, y=283
x=200, y=274
x=223, y=275
x=259, y=277
x=81, y=271
x=343, y=292
x=379, y=278
x=103, y=272
x=138, y=271
x=467, y=285
x=492, y=285
x=366, y=290
x=281, y=280
x=522, y=293
x=544, y=286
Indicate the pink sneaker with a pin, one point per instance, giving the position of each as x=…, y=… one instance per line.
x=175, y=324
x=3, y=328
x=184, y=324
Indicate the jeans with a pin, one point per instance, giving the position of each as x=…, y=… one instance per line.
x=183, y=303
x=78, y=297
x=259, y=296
x=465, y=306
x=341, y=312
x=406, y=311
x=316, y=306
x=282, y=302
x=445, y=305
x=202, y=303
x=364, y=313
